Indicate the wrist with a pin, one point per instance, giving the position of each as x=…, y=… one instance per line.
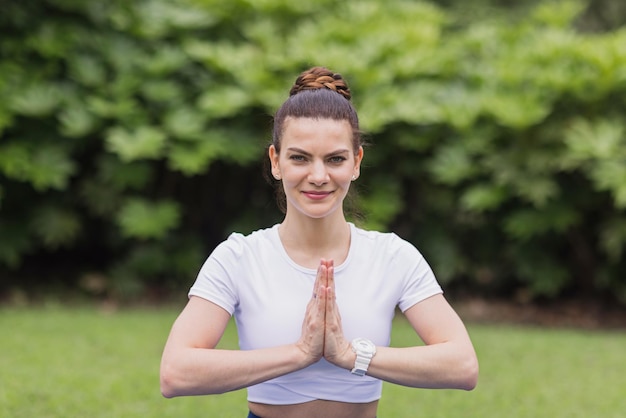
x=364, y=351
x=349, y=357
x=303, y=357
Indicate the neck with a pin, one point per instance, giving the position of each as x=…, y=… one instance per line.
x=315, y=235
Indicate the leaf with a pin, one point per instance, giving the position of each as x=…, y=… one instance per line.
x=148, y=259
x=76, y=121
x=544, y=275
x=6, y=119
x=52, y=38
x=184, y=122
x=52, y=167
x=536, y=189
x=46, y=167
x=520, y=110
x=558, y=14
x=461, y=108
x=167, y=59
x=382, y=204
x=139, y=218
x=124, y=176
x=611, y=175
x=483, y=197
x=88, y=70
x=55, y=226
x=524, y=224
x=123, y=53
x=37, y=100
x=613, y=238
x=162, y=91
x=599, y=149
x=243, y=145
x=601, y=139
x=157, y=18
x=14, y=242
x=190, y=160
x=122, y=108
x=194, y=158
x=99, y=198
x=443, y=253
x=145, y=142
x=220, y=102
x=452, y=164
x=15, y=160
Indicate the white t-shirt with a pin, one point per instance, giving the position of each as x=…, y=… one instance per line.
x=253, y=278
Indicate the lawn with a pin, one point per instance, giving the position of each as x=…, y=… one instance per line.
x=82, y=362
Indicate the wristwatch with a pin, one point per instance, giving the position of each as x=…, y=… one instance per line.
x=365, y=350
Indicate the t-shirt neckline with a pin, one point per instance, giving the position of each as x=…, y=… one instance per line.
x=285, y=255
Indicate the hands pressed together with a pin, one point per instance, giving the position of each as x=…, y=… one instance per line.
x=322, y=334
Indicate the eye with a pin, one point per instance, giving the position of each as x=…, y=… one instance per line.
x=297, y=158
x=338, y=159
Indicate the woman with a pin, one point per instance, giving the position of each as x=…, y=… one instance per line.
x=314, y=296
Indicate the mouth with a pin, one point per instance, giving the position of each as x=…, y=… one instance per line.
x=316, y=195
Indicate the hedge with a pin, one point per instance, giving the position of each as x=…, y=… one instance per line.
x=132, y=136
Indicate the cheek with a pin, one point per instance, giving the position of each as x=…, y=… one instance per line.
x=344, y=175
x=291, y=177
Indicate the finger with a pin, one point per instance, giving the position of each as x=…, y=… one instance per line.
x=311, y=340
x=333, y=314
x=321, y=296
x=334, y=338
x=330, y=276
x=321, y=305
x=320, y=279
x=330, y=301
x=324, y=264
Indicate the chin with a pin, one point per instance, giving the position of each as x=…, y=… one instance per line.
x=316, y=214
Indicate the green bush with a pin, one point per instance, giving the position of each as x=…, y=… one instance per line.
x=136, y=131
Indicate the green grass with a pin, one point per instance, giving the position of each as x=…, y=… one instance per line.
x=80, y=362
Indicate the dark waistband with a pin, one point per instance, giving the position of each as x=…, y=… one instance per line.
x=252, y=415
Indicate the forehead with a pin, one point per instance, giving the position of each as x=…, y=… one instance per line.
x=312, y=131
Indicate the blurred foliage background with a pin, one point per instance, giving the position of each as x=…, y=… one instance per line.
x=133, y=136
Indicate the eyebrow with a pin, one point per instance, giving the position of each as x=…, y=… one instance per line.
x=308, y=154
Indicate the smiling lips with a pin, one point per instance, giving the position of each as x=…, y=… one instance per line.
x=313, y=195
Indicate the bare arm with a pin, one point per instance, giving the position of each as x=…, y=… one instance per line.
x=448, y=359
x=191, y=365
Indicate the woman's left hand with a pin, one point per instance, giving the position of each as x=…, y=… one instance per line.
x=336, y=348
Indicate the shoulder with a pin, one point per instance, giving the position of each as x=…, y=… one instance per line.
x=385, y=247
x=238, y=244
x=388, y=241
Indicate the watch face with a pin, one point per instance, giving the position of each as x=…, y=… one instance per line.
x=364, y=345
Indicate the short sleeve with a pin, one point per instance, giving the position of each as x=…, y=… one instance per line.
x=216, y=279
x=418, y=280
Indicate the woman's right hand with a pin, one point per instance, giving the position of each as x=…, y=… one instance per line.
x=311, y=341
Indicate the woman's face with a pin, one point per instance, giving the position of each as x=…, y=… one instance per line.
x=316, y=164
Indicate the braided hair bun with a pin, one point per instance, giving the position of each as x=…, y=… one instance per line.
x=318, y=78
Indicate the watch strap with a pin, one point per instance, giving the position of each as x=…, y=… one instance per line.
x=362, y=361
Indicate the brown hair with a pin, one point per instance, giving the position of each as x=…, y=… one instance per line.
x=318, y=93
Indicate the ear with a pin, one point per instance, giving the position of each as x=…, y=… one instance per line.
x=358, y=157
x=274, y=157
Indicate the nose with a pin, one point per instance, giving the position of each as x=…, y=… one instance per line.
x=318, y=174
